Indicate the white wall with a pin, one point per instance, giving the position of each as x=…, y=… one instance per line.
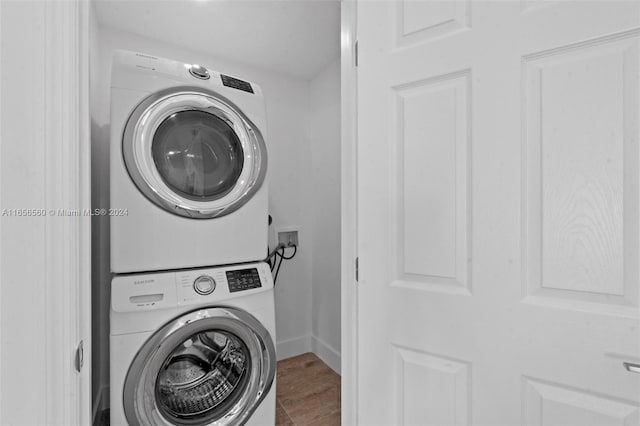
x=289, y=175
x=324, y=133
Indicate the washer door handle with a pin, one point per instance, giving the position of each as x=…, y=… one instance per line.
x=631, y=367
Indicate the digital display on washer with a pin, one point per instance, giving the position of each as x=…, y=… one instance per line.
x=243, y=279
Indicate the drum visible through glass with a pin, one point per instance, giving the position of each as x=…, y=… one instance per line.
x=206, y=373
x=197, y=154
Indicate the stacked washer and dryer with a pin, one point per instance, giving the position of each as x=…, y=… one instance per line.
x=192, y=306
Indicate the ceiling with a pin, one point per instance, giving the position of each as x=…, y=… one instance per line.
x=297, y=37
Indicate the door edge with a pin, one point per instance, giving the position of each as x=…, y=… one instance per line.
x=349, y=293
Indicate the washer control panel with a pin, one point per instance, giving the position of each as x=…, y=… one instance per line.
x=243, y=279
x=163, y=290
x=204, y=285
x=193, y=286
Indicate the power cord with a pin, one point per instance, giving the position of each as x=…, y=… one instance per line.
x=278, y=255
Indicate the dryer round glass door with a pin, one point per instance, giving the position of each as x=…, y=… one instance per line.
x=194, y=153
x=210, y=366
x=197, y=154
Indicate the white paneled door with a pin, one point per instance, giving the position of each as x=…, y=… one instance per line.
x=498, y=212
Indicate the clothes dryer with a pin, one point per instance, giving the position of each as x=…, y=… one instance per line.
x=187, y=168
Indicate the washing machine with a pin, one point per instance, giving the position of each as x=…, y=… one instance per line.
x=187, y=167
x=193, y=347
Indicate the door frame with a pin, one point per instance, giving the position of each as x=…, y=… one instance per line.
x=349, y=211
x=68, y=290
x=59, y=31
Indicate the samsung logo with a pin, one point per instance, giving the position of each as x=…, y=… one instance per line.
x=143, y=282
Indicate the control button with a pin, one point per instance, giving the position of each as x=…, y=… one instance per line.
x=204, y=285
x=199, y=72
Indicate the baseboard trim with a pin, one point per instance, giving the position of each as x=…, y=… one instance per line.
x=101, y=402
x=301, y=345
x=293, y=347
x=326, y=353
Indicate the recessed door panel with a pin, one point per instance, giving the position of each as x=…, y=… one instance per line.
x=421, y=21
x=433, y=183
x=557, y=405
x=434, y=391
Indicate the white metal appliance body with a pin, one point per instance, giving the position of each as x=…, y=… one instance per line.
x=141, y=304
x=162, y=229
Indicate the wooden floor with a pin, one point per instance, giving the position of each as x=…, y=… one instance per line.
x=308, y=392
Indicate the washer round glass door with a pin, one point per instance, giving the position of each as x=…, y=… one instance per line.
x=208, y=367
x=194, y=153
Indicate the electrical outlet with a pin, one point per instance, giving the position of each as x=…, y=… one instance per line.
x=288, y=238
